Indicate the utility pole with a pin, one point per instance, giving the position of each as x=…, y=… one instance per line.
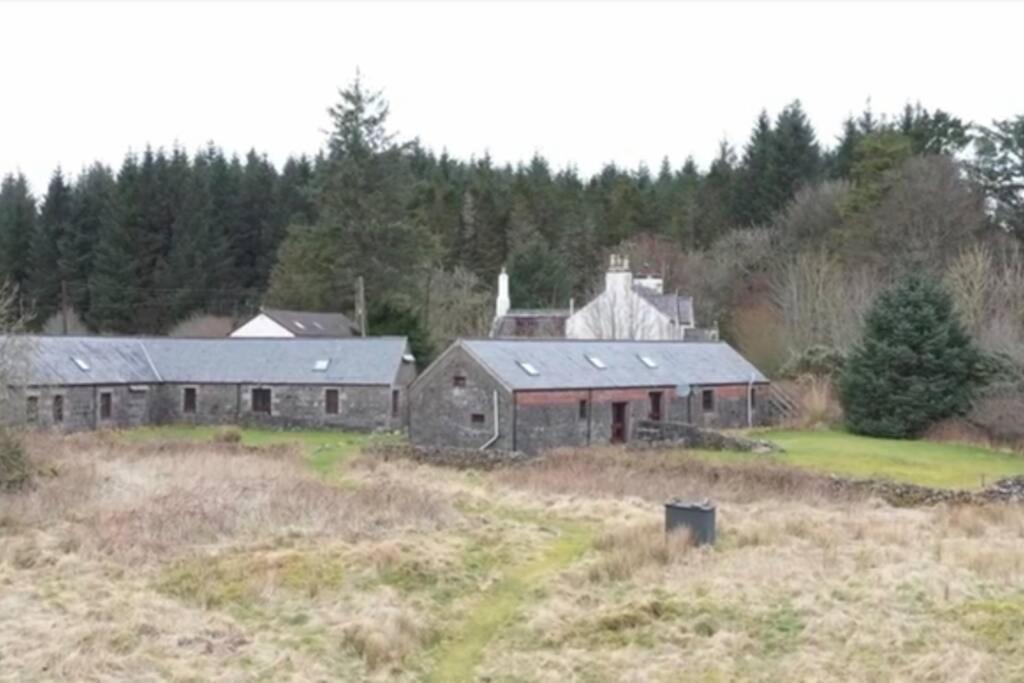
x=361, y=304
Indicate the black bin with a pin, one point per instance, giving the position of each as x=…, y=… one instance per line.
x=697, y=517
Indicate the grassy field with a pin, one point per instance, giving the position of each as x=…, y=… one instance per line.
x=927, y=463
x=292, y=556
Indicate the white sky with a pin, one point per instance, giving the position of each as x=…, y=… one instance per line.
x=579, y=82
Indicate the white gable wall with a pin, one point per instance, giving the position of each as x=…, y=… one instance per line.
x=619, y=313
x=262, y=326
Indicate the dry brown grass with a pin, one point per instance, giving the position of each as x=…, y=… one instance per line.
x=657, y=476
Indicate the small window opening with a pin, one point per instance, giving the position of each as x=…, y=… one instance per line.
x=106, y=405
x=478, y=418
x=261, y=400
x=396, y=402
x=583, y=409
x=58, y=408
x=707, y=400
x=189, y=401
x=331, y=401
x=32, y=408
x=459, y=381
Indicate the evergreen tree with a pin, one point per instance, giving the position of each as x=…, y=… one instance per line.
x=115, y=291
x=716, y=202
x=999, y=168
x=53, y=227
x=93, y=204
x=795, y=155
x=757, y=201
x=17, y=226
x=915, y=365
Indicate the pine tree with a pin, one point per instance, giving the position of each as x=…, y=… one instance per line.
x=17, y=225
x=758, y=201
x=795, y=155
x=915, y=365
x=115, y=293
x=53, y=227
x=93, y=203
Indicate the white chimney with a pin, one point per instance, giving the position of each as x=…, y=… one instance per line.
x=502, y=305
x=618, y=278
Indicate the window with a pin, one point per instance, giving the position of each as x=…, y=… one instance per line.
x=322, y=365
x=188, y=401
x=82, y=365
x=478, y=418
x=707, y=400
x=753, y=397
x=261, y=401
x=583, y=409
x=58, y=408
x=396, y=402
x=32, y=408
x=528, y=368
x=459, y=381
x=106, y=405
x=596, y=362
x=648, y=361
x=655, y=412
x=331, y=401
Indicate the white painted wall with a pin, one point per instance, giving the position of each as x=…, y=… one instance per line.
x=620, y=314
x=262, y=326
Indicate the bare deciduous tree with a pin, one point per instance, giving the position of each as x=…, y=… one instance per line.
x=456, y=305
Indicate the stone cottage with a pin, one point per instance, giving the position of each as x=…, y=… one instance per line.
x=77, y=383
x=534, y=394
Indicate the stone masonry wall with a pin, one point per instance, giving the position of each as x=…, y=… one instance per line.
x=442, y=414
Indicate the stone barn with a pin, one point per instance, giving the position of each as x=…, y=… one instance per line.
x=533, y=394
x=77, y=383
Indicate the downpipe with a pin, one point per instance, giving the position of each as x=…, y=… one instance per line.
x=497, y=433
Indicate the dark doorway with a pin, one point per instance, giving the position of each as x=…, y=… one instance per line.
x=655, y=414
x=619, y=422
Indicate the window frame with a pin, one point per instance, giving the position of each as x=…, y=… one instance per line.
x=261, y=391
x=57, y=408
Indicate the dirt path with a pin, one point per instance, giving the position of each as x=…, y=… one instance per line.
x=457, y=658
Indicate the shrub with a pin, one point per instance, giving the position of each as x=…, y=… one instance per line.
x=228, y=435
x=914, y=366
x=817, y=360
x=14, y=466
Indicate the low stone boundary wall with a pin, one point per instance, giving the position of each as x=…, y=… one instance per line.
x=651, y=434
x=459, y=458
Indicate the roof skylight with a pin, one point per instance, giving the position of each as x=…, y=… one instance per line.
x=321, y=365
x=317, y=325
x=648, y=361
x=81, y=363
x=597, y=362
x=299, y=325
x=528, y=368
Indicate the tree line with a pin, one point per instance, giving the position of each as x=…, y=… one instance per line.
x=170, y=234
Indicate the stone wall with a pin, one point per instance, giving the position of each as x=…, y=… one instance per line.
x=444, y=401
x=359, y=407
x=130, y=406
x=729, y=408
x=650, y=434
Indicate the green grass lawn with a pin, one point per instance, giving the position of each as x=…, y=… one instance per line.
x=928, y=463
x=325, y=449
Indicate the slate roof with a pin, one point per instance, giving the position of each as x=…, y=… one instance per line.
x=306, y=324
x=535, y=322
x=678, y=308
x=147, y=360
x=563, y=363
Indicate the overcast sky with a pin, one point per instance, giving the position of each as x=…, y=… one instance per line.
x=579, y=82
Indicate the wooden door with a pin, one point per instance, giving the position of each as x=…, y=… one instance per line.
x=619, y=422
x=655, y=414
